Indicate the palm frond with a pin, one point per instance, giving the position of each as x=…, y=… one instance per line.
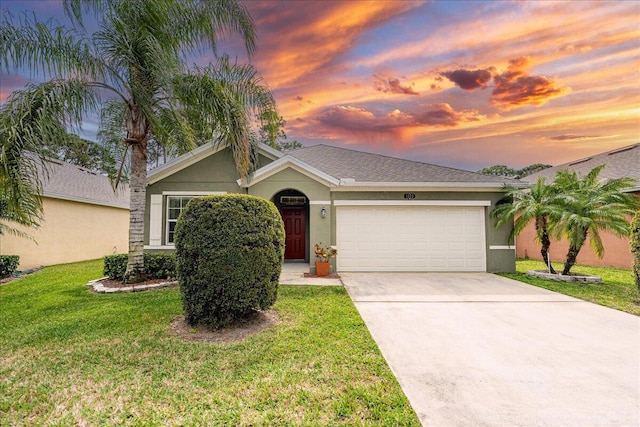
x=47, y=50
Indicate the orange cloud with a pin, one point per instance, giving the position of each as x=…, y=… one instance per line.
x=515, y=88
x=396, y=125
x=392, y=85
x=306, y=40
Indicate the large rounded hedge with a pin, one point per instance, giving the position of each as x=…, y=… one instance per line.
x=229, y=254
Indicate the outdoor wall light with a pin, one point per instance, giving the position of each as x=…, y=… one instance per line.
x=323, y=213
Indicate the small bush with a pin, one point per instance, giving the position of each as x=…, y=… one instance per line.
x=115, y=266
x=157, y=265
x=160, y=265
x=229, y=253
x=8, y=265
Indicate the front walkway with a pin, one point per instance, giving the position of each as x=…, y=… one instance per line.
x=478, y=349
x=293, y=274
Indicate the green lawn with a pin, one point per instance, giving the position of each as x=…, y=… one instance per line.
x=70, y=357
x=617, y=290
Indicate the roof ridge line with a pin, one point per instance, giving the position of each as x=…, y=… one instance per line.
x=394, y=158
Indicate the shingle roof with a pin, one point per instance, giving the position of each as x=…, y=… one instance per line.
x=366, y=167
x=621, y=162
x=71, y=182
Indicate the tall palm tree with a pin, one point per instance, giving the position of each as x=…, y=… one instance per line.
x=590, y=206
x=135, y=69
x=534, y=203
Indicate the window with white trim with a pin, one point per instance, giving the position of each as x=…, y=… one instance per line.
x=175, y=205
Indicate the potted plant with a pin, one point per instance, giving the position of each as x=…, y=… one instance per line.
x=323, y=256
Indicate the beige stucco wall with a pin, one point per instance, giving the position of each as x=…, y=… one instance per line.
x=617, y=252
x=71, y=231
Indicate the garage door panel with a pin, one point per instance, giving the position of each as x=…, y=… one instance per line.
x=418, y=238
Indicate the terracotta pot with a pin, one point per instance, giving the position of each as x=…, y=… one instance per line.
x=322, y=268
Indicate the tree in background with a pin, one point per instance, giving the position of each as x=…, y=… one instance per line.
x=499, y=170
x=82, y=152
x=503, y=170
x=523, y=205
x=590, y=206
x=275, y=125
x=134, y=71
x=528, y=170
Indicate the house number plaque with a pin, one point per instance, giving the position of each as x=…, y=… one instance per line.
x=409, y=196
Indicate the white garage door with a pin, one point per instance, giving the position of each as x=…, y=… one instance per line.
x=410, y=238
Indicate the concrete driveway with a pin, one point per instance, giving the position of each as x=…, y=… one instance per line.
x=476, y=349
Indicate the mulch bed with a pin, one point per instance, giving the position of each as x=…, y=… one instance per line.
x=17, y=275
x=236, y=332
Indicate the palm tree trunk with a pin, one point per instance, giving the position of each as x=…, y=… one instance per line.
x=545, y=242
x=572, y=255
x=137, y=185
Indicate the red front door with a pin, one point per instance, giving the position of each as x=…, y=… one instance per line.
x=295, y=230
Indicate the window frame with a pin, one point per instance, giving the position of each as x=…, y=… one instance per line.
x=169, y=221
x=167, y=195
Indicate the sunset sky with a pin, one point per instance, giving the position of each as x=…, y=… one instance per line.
x=466, y=84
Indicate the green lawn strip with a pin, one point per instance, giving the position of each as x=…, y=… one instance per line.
x=70, y=357
x=617, y=289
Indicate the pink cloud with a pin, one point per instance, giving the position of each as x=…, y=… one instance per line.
x=572, y=137
x=396, y=125
x=515, y=88
x=392, y=85
x=11, y=83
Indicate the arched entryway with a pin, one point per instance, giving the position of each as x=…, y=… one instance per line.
x=294, y=209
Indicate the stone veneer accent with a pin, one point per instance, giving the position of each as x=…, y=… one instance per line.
x=99, y=288
x=572, y=277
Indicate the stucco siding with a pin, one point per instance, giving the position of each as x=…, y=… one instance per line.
x=213, y=174
x=319, y=228
x=617, y=252
x=70, y=232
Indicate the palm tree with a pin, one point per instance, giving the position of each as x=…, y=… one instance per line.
x=635, y=247
x=134, y=69
x=534, y=203
x=21, y=169
x=590, y=206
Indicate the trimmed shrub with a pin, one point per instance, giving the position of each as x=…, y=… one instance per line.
x=160, y=265
x=115, y=266
x=635, y=247
x=229, y=254
x=157, y=265
x=8, y=265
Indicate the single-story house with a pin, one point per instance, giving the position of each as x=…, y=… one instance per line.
x=382, y=213
x=619, y=163
x=83, y=219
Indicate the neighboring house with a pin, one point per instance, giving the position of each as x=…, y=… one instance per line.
x=382, y=213
x=622, y=162
x=83, y=219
